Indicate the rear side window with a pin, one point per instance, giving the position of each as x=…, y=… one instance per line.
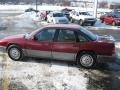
x=66, y=36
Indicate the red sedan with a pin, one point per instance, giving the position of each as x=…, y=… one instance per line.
x=60, y=42
x=111, y=18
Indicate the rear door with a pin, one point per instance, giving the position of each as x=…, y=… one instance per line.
x=65, y=46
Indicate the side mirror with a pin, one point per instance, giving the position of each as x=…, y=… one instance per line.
x=35, y=38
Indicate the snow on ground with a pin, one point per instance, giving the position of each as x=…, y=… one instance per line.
x=103, y=26
x=43, y=76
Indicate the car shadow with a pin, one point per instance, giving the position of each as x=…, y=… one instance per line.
x=112, y=66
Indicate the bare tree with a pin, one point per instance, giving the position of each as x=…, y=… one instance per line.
x=103, y=4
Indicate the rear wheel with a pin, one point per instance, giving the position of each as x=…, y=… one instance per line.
x=113, y=23
x=15, y=52
x=87, y=60
x=102, y=21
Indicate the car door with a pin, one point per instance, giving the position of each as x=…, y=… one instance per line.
x=40, y=46
x=108, y=19
x=65, y=47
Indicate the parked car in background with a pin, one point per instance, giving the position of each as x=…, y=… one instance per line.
x=60, y=42
x=82, y=17
x=57, y=17
x=31, y=10
x=99, y=14
x=66, y=12
x=111, y=18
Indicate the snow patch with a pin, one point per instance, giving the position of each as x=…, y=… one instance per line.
x=117, y=46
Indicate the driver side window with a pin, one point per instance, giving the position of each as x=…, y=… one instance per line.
x=45, y=35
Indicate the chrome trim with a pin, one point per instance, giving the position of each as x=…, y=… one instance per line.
x=2, y=49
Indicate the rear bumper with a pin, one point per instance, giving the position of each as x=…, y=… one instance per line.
x=2, y=49
x=104, y=58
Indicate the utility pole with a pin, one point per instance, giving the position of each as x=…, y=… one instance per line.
x=95, y=8
x=36, y=5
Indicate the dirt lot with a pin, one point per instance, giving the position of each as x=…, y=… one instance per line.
x=42, y=74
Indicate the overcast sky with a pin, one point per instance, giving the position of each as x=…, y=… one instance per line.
x=111, y=0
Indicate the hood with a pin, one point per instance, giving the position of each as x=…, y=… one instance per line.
x=15, y=36
x=106, y=38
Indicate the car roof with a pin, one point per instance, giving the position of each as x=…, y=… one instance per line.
x=70, y=26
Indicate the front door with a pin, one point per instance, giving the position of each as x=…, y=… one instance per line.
x=40, y=46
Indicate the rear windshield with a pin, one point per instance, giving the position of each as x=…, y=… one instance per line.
x=58, y=15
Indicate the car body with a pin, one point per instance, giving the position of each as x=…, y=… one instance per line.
x=57, y=17
x=82, y=17
x=111, y=18
x=68, y=42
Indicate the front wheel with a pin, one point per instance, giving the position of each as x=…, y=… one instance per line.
x=87, y=60
x=15, y=52
x=81, y=22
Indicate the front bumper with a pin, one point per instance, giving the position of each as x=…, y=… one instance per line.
x=89, y=21
x=104, y=58
x=2, y=49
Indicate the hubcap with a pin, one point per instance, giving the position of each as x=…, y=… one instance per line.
x=86, y=60
x=113, y=23
x=14, y=53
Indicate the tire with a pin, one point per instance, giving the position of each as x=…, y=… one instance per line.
x=72, y=21
x=15, y=52
x=81, y=22
x=102, y=21
x=92, y=24
x=113, y=23
x=87, y=60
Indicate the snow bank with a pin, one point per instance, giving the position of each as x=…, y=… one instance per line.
x=3, y=22
x=24, y=23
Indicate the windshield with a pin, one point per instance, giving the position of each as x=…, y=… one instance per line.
x=84, y=13
x=88, y=33
x=58, y=15
x=117, y=15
